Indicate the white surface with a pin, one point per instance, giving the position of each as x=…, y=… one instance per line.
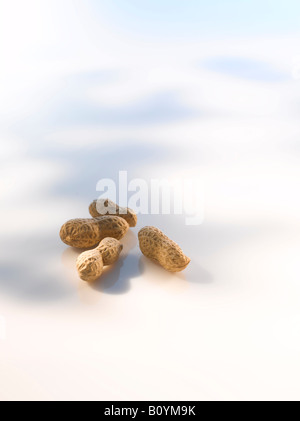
x=228, y=326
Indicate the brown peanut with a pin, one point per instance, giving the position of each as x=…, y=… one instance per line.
x=110, y=208
x=85, y=233
x=90, y=263
x=155, y=245
x=110, y=250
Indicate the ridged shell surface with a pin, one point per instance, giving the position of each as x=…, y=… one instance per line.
x=110, y=250
x=90, y=265
x=86, y=233
x=155, y=245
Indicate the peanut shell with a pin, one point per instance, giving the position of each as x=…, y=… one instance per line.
x=111, y=208
x=155, y=245
x=86, y=233
x=90, y=263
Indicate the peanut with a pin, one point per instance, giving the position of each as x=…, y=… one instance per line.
x=102, y=207
x=155, y=245
x=90, y=263
x=110, y=249
x=85, y=233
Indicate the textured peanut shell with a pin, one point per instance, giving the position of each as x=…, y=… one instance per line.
x=90, y=263
x=85, y=233
x=113, y=209
x=155, y=245
x=110, y=250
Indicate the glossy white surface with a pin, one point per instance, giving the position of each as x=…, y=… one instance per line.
x=228, y=326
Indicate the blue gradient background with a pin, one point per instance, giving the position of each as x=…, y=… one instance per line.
x=197, y=18
x=205, y=90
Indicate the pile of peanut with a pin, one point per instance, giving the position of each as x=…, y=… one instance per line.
x=101, y=234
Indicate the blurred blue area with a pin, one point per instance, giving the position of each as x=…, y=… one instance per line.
x=189, y=18
x=157, y=108
x=69, y=106
x=141, y=103
x=86, y=79
x=245, y=68
x=104, y=161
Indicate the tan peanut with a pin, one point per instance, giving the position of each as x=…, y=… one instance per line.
x=85, y=233
x=110, y=250
x=102, y=207
x=157, y=246
x=90, y=263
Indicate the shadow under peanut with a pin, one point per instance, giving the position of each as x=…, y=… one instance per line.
x=194, y=273
x=197, y=274
x=115, y=278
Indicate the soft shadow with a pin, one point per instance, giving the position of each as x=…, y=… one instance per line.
x=116, y=278
x=197, y=274
x=193, y=273
x=69, y=256
x=246, y=68
x=158, y=273
x=26, y=284
x=162, y=107
x=155, y=275
x=129, y=242
x=91, y=164
x=28, y=275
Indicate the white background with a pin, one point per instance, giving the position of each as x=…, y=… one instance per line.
x=83, y=97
